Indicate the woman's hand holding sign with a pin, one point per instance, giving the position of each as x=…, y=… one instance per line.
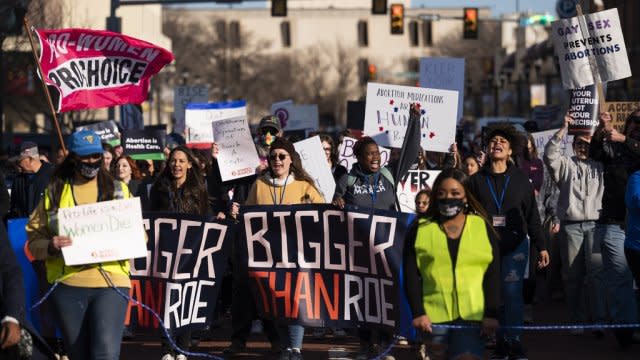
x=58, y=242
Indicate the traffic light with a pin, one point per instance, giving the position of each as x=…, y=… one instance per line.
x=372, y=72
x=279, y=8
x=397, y=19
x=544, y=20
x=470, y=23
x=379, y=7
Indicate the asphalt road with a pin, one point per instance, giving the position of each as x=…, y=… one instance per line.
x=540, y=345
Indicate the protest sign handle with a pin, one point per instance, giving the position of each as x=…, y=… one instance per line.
x=44, y=85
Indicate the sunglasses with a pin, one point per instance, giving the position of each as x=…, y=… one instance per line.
x=273, y=157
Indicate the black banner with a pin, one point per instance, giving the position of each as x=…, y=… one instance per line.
x=144, y=144
x=583, y=109
x=320, y=266
x=107, y=130
x=182, y=274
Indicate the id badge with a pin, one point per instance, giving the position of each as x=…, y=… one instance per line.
x=499, y=221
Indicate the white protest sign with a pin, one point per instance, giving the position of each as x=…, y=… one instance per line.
x=183, y=95
x=237, y=155
x=199, y=117
x=541, y=139
x=387, y=115
x=410, y=184
x=347, y=158
x=445, y=74
x=102, y=232
x=296, y=117
x=315, y=163
x=598, y=39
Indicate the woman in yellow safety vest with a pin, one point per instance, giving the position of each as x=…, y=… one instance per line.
x=89, y=313
x=452, y=271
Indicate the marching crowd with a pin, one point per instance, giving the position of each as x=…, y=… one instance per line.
x=484, y=229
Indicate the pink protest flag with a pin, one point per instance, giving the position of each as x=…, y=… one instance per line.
x=95, y=69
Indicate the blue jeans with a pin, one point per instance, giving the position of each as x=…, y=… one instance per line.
x=91, y=321
x=453, y=342
x=582, y=263
x=291, y=336
x=618, y=279
x=512, y=270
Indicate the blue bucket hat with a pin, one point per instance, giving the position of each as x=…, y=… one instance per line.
x=85, y=142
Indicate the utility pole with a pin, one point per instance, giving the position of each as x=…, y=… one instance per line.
x=114, y=24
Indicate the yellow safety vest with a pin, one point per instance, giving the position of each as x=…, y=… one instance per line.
x=449, y=295
x=56, y=268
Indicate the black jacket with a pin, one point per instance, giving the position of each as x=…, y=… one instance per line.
x=519, y=206
x=5, y=200
x=27, y=190
x=619, y=160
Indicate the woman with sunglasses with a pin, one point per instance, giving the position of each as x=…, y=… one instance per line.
x=180, y=188
x=285, y=183
x=89, y=313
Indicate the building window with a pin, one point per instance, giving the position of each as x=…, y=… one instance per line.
x=363, y=33
x=285, y=32
x=413, y=33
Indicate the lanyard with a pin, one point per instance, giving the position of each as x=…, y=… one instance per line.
x=493, y=193
x=275, y=190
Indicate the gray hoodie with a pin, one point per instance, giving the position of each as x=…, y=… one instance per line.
x=581, y=183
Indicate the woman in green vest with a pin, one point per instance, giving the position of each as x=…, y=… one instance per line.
x=452, y=272
x=89, y=313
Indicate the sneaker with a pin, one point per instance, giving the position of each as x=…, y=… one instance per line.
x=318, y=333
x=285, y=354
x=339, y=333
x=167, y=357
x=402, y=340
x=516, y=351
x=256, y=327
x=295, y=355
x=421, y=352
x=234, y=349
x=181, y=357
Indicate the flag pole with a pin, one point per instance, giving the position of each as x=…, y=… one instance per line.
x=44, y=85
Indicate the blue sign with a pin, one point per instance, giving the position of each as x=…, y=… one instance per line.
x=566, y=8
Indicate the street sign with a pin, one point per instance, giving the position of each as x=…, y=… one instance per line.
x=566, y=8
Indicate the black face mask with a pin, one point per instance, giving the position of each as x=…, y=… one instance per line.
x=89, y=170
x=449, y=208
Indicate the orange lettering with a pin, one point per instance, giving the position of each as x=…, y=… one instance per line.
x=135, y=288
x=284, y=293
x=261, y=275
x=151, y=302
x=298, y=295
x=321, y=288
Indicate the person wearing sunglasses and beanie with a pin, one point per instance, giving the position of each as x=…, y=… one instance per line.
x=285, y=183
x=89, y=313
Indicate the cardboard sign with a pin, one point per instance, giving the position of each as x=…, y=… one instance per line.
x=200, y=117
x=541, y=139
x=591, y=49
x=102, y=232
x=237, y=156
x=411, y=184
x=583, y=109
x=387, y=115
x=315, y=163
x=296, y=117
x=107, y=130
x=620, y=111
x=445, y=74
x=183, y=95
x=347, y=157
x=144, y=144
